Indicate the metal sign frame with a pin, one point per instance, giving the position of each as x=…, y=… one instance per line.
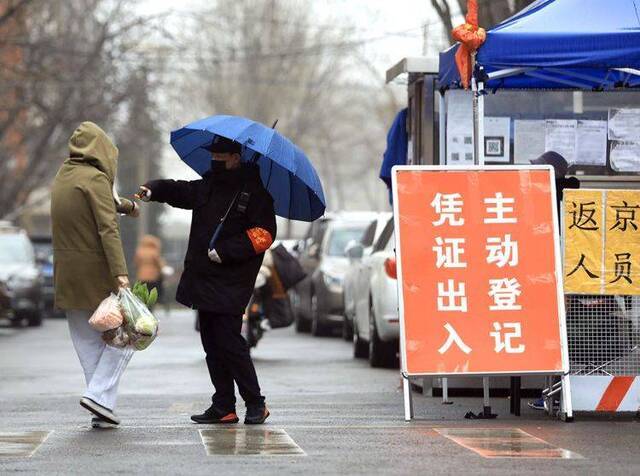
x=559, y=273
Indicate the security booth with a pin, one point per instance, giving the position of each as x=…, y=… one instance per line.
x=422, y=123
x=548, y=79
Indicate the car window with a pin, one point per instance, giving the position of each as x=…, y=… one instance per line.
x=340, y=238
x=15, y=249
x=43, y=251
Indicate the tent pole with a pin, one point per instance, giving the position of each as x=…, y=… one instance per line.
x=474, y=113
x=480, y=123
x=442, y=152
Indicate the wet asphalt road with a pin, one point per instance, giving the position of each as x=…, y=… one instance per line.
x=331, y=414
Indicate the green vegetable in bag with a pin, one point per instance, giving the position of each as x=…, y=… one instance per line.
x=141, y=291
x=146, y=325
x=143, y=342
x=153, y=297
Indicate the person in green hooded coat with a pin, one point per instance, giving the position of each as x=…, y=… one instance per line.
x=89, y=262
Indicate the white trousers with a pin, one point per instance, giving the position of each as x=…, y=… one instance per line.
x=103, y=365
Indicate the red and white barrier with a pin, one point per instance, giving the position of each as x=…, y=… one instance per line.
x=605, y=394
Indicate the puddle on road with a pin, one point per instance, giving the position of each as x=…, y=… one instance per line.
x=242, y=441
x=21, y=444
x=505, y=443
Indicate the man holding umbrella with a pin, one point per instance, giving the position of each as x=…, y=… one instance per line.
x=231, y=204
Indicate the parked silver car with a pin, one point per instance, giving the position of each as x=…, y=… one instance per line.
x=318, y=301
x=20, y=276
x=376, y=326
x=371, y=236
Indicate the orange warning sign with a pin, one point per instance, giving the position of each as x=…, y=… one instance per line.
x=479, y=270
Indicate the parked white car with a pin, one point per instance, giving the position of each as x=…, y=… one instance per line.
x=369, y=239
x=376, y=325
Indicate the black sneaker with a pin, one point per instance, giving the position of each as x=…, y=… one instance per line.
x=256, y=415
x=213, y=416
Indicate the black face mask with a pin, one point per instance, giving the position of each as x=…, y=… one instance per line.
x=218, y=167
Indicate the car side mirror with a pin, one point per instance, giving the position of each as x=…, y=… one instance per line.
x=354, y=250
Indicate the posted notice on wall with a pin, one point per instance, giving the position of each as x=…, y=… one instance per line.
x=560, y=137
x=497, y=139
x=528, y=140
x=625, y=156
x=459, y=127
x=624, y=124
x=591, y=143
x=624, y=134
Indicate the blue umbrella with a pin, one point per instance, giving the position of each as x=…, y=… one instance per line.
x=285, y=170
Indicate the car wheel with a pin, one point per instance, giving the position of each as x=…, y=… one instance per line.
x=347, y=329
x=300, y=324
x=381, y=354
x=318, y=328
x=360, y=347
x=15, y=321
x=34, y=319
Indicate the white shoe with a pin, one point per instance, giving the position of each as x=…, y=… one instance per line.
x=100, y=423
x=98, y=410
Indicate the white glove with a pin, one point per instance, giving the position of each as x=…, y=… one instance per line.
x=213, y=256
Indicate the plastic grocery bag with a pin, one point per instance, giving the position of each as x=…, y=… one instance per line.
x=108, y=315
x=117, y=337
x=139, y=328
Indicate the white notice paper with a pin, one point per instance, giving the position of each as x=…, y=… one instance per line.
x=591, y=143
x=459, y=127
x=624, y=124
x=625, y=156
x=497, y=139
x=560, y=137
x=528, y=140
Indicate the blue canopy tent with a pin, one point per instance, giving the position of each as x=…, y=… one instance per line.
x=589, y=45
x=579, y=44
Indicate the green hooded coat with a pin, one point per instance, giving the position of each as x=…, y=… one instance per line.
x=86, y=236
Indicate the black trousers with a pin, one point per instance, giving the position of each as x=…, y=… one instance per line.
x=228, y=360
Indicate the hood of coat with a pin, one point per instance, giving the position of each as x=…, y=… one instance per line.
x=90, y=144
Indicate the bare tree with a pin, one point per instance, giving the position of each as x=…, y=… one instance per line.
x=278, y=59
x=490, y=12
x=64, y=68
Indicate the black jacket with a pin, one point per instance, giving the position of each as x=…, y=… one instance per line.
x=225, y=287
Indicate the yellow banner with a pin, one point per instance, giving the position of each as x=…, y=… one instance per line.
x=583, y=241
x=622, y=242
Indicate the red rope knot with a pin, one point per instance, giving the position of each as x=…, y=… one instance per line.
x=471, y=37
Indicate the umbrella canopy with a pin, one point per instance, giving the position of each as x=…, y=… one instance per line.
x=285, y=170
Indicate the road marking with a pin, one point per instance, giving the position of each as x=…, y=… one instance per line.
x=242, y=441
x=21, y=443
x=505, y=443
